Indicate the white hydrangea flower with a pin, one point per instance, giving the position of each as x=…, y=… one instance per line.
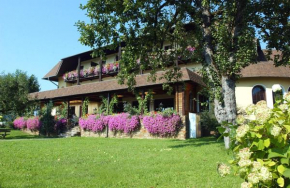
x=250, y=109
x=243, y=170
x=244, y=153
x=242, y=131
x=275, y=130
x=253, y=178
x=287, y=97
x=263, y=114
x=283, y=107
x=246, y=185
x=261, y=104
x=265, y=174
x=245, y=162
x=276, y=87
x=240, y=119
x=223, y=169
x=256, y=166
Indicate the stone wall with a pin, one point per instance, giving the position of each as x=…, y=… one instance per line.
x=141, y=133
x=30, y=131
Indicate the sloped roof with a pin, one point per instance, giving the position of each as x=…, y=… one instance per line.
x=265, y=69
x=110, y=85
x=52, y=74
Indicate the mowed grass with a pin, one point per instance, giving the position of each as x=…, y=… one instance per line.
x=17, y=134
x=110, y=162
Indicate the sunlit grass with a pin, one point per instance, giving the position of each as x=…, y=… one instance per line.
x=108, y=162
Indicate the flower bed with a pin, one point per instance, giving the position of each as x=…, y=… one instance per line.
x=19, y=123
x=123, y=123
x=60, y=124
x=162, y=125
x=95, y=123
x=33, y=123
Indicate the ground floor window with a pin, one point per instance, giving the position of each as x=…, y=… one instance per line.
x=163, y=104
x=258, y=94
x=136, y=105
x=119, y=107
x=203, y=103
x=72, y=111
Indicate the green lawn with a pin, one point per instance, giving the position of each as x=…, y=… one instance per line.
x=109, y=162
x=16, y=134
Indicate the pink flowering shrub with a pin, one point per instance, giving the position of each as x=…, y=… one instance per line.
x=19, y=123
x=162, y=125
x=123, y=123
x=33, y=123
x=94, y=123
x=60, y=124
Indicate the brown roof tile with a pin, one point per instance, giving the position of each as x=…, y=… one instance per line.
x=53, y=72
x=265, y=69
x=110, y=85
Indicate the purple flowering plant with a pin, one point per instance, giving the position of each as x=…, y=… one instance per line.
x=95, y=123
x=19, y=123
x=33, y=123
x=123, y=122
x=162, y=124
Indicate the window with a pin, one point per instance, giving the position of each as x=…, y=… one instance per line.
x=136, y=105
x=289, y=89
x=203, y=103
x=72, y=111
x=258, y=94
x=93, y=64
x=119, y=107
x=163, y=104
x=167, y=47
x=277, y=93
x=191, y=102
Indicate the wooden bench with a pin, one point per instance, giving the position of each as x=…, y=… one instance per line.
x=3, y=132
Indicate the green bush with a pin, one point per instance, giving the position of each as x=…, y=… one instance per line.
x=47, y=120
x=209, y=124
x=261, y=146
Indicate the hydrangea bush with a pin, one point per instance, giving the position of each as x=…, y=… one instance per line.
x=260, y=143
x=162, y=124
x=33, y=123
x=123, y=122
x=19, y=123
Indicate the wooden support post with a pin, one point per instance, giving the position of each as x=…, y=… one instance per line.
x=100, y=71
x=67, y=110
x=119, y=55
x=108, y=113
x=143, y=96
x=176, y=63
x=78, y=69
x=176, y=99
x=81, y=108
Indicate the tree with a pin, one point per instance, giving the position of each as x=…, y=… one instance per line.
x=222, y=32
x=14, y=89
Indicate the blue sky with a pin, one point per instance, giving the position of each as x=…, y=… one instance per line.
x=36, y=34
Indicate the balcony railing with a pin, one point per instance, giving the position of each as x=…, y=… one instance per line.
x=109, y=69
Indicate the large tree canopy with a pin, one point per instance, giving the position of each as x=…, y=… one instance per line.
x=14, y=89
x=223, y=33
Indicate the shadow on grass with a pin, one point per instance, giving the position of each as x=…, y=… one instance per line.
x=195, y=142
x=17, y=134
x=23, y=137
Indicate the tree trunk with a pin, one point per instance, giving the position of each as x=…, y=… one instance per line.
x=226, y=111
